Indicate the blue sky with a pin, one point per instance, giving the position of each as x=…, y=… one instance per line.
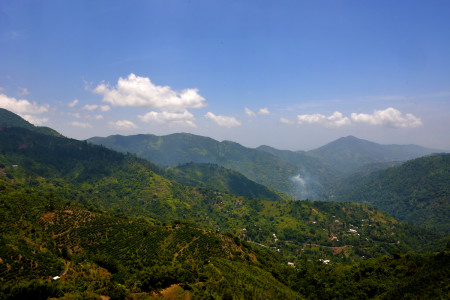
x=289, y=74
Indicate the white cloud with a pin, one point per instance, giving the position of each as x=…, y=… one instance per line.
x=249, y=112
x=35, y=120
x=286, y=121
x=81, y=124
x=264, y=111
x=123, y=125
x=22, y=106
x=171, y=118
x=92, y=107
x=335, y=120
x=141, y=92
x=98, y=117
x=23, y=92
x=73, y=103
x=389, y=117
x=223, y=121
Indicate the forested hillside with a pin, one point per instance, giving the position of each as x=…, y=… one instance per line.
x=103, y=179
x=9, y=119
x=112, y=224
x=221, y=179
x=417, y=191
x=350, y=153
x=182, y=148
x=302, y=175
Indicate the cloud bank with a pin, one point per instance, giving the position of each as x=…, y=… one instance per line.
x=389, y=117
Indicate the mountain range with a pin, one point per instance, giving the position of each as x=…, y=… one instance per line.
x=299, y=174
x=79, y=220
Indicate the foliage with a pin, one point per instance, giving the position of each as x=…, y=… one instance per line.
x=224, y=180
x=350, y=153
x=416, y=191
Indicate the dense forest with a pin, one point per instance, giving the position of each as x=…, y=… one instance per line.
x=417, y=191
x=82, y=221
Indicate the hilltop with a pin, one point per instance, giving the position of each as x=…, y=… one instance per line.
x=9, y=119
x=349, y=153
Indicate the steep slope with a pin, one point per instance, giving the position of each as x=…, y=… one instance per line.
x=417, y=191
x=221, y=179
x=117, y=256
x=64, y=250
x=349, y=153
x=181, y=148
x=9, y=119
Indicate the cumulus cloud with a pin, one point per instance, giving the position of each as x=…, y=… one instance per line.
x=92, y=107
x=141, y=92
x=335, y=120
x=123, y=125
x=81, y=124
x=35, y=120
x=389, y=117
x=73, y=103
x=98, y=117
x=223, y=121
x=184, y=118
x=249, y=112
x=264, y=111
x=22, y=106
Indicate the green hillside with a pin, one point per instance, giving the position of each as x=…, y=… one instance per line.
x=9, y=119
x=417, y=191
x=349, y=153
x=181, y=148
x=301, y=175
x=104, y=179
x=97, y=254
x=111, y=224
x=218, y=178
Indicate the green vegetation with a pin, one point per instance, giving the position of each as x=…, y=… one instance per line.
x=102, y=179
x=9, y=119
x=417, y=191
x=277, y=169
x=111, y=224
x=350, y=153
x=224, y=180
